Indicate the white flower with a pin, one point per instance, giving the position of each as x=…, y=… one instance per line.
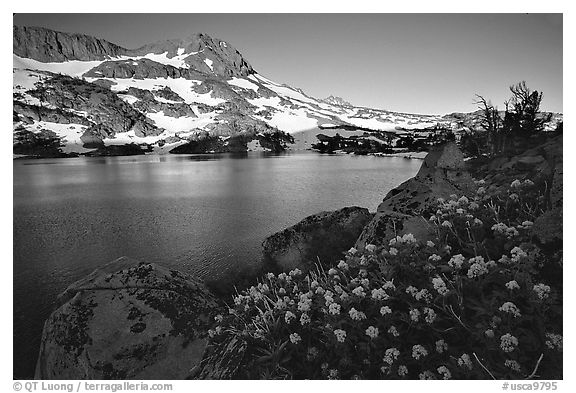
x=515, y=184
x=477, y=268
x=426, y=375
x=340, y=335
x=440, y=286
x=304, y=303
x=304, y=319
x=465, y=360
x=517, y=254
x=295, y=272
x=289, y=316
x=334, y=309
x=430, y=243
x=393, y=331
x=352, y=251
x=295, y=338
x=441, y=346
x=430, y=315
x=443, y=370
x=554, y=341
x=332, y=374
x=370, y=247
x=447, y=224
x=389, y=285
x=528, y=182
x=511, y=285
x=542, y=291
x=359, y=291
x=434, y=257
x=219, y=318
x=356, y=315
x=489, y=333
x=460, y=211
x=372, y=332
x=391, y=355
x=418, y=351
x=342, y=265
x=508, y=342
x=402, y=370
x=385, y=310
x=513, y=365
x=414, y=314
x=379, y=294
x=481, y=190
x=510, y=308
x=456, y=261
x=423, y=294
x=463, y=200
x=393, y=251
x=332, y=272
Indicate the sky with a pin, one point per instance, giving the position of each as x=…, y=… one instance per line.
x=415, y=63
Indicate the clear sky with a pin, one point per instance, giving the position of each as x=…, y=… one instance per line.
x=418, y=63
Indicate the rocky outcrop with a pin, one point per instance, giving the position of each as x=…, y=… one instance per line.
x=442, y=173
x=127, y=320
x=147, y=102
x=320, y=237
x=103, y=108
x=140, y=69
x=543, y=165
x=47, y=45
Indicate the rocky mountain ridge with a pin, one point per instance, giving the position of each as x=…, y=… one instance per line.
x=76, y=94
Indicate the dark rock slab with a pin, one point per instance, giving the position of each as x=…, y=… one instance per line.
x=323, y=236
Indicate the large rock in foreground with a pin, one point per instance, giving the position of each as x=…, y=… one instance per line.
x=442, y=173
x=128, y=320
x=322, y=236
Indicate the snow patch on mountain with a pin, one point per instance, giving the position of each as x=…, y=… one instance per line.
x=72, y=67
x=243, y=83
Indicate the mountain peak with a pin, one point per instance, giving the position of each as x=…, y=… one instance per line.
x=338, y=101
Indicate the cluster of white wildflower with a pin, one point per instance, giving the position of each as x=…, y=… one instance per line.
x=430, y=243
x=554, y=341
x=434, y=258
x=356, y=315
x=504, y=230
x=441, y=346
x=289, y=316
x=393, y=331
x=385, y=310
x=393, y=251
x=542, y=291
x=406, y=239
x=517, y=254
x=414, y=314
x=477, y=267
x=465, y=361
x=402, y=370
x=370, y=247
x=526, y=225
x=511, y=285
x=359, y=291
x=389, y=285
x=333, y=374
x=372, y=332
x=352, y=251
x=304, y=303
x=513, y=365
x=430, y=315
x=295, y=338
x=334, y=308
x=508, y=342
x=332, y=272
x=342, y=265
x=440, y=286
x=391, y=355
x=340, y=335
x=510, y=308
x=418, y=351
x=426, y=375
x=304, y=319
x=379, y=294
x=456, y=261
x=443, y=370
x=446, y=224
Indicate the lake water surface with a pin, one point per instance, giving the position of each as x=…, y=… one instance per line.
x=204, y=215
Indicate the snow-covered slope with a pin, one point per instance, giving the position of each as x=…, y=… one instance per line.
x=170, y=92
